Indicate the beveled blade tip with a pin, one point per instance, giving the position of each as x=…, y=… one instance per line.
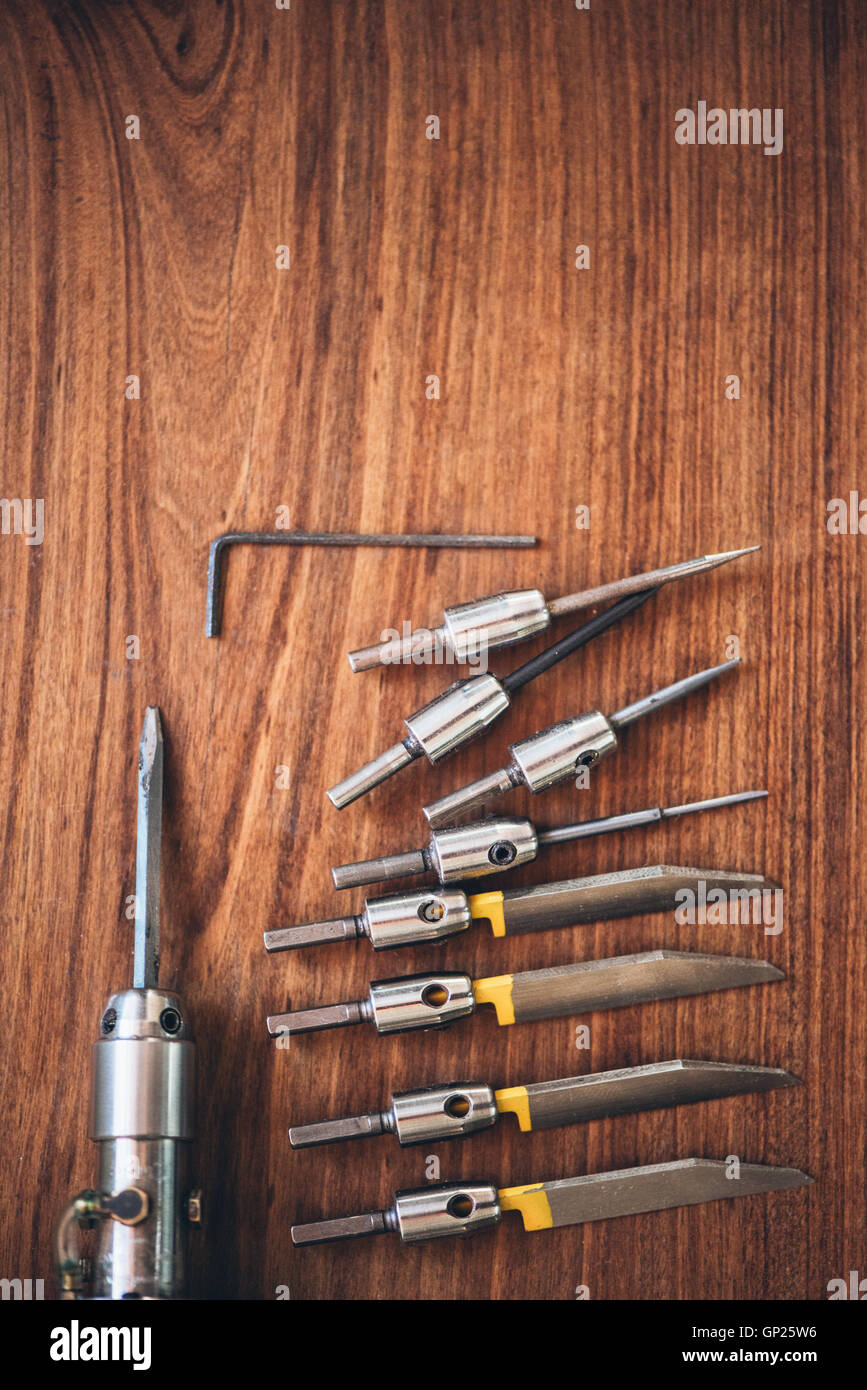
x=738, y=967
x=748, y=1177
x=766, y=1076
x=722, y=557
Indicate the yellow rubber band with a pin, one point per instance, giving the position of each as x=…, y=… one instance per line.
x=515, y=1099
x=532, y=1202
x=496, y=990
x=489, y=906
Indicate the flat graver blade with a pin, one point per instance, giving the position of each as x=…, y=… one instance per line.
x=146, y=965
x=600, y=1196
x=620, y=980
x=629, y=891
x=575, y=1099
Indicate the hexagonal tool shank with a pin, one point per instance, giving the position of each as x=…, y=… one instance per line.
x=213, y=614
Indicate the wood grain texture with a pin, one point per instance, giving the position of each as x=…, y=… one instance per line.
x=305, y=388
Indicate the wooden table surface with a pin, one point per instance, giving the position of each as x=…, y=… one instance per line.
x=306, y=388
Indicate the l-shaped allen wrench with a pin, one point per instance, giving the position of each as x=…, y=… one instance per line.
x=213, y=613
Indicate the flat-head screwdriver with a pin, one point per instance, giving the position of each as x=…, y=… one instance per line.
x=456, y=852
x=460, y=1108
x=436, y=1000
x=503, y=619
x=462, y=1209
x=562, y=750
x=469, y=706
x=142, y=1102
x=425, y=917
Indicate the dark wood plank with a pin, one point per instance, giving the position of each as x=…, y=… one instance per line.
x=305, y=388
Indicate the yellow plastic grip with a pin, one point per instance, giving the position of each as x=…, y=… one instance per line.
x=532, y=1202
x=490, y=907
x=496, y=990
x=515, y=1098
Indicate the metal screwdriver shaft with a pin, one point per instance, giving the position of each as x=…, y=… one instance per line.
x=504, y=619
x=146, y=966
x=561, y=750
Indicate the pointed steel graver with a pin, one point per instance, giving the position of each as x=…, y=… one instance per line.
x=146, y=967
x=501, y=620
x=561, y=751
x=463, y=1107
x=468, y=707
x=460, y=1209
x=425, y=916
x=433, y=1000
x=489, y=846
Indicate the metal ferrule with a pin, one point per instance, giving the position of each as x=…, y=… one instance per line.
x=563, y=749
x=442, y=1112
x=413, y=919
x=420, y=1001
x=141, y=1116
x=450, y=1210
x=486, y=847
x=456, y=716
x=496, y=621
x=142, y=1083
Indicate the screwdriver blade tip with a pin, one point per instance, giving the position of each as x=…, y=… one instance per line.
x=152, y=727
